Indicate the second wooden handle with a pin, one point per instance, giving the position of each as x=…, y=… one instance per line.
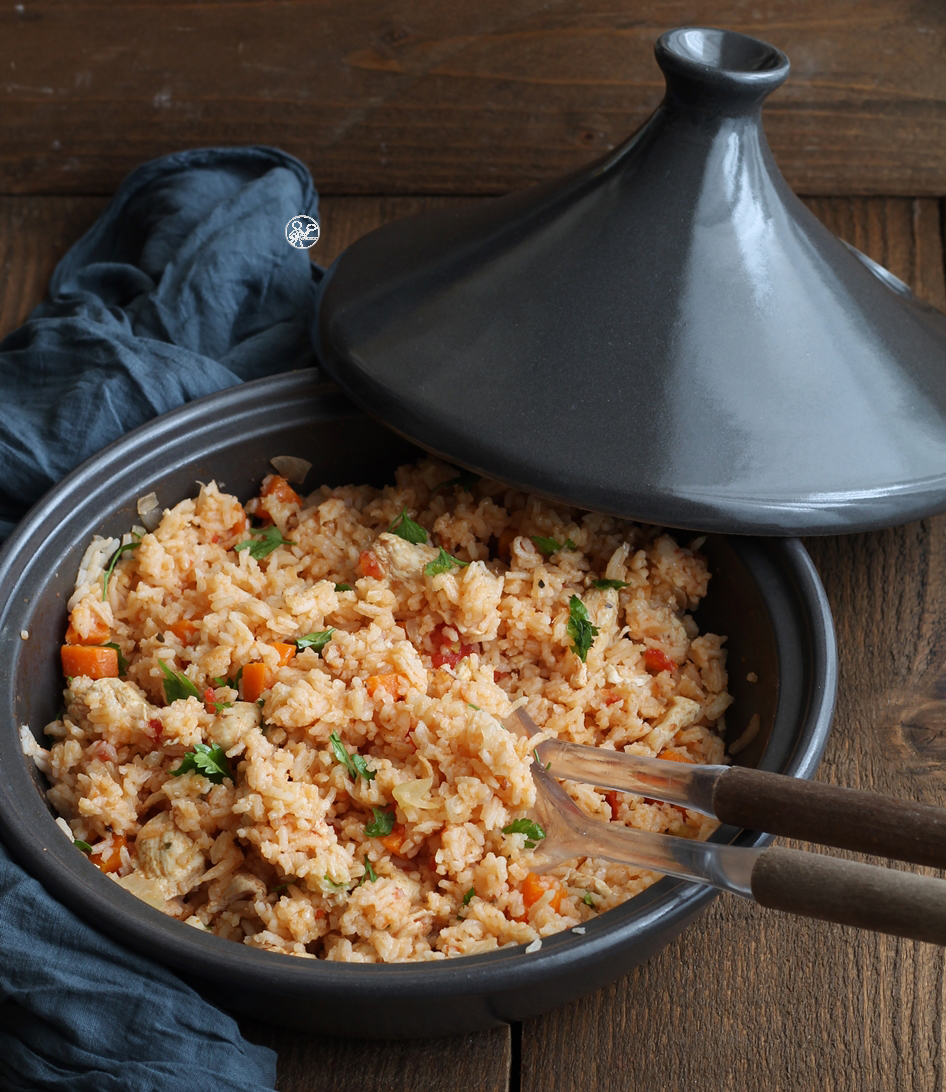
x=830, y=816
x=881, y=899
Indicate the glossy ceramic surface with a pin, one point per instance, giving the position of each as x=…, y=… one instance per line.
x=764, y=594
x=666, y=334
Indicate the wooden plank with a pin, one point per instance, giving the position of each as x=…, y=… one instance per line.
x=748, y=999
x=316, y=1063
x=388, y=96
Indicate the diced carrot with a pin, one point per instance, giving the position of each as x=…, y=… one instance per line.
x=256, y=678
x=97, y=633
x=656, y=660
x=534, y=886
x=286, y=652
x=110, y=861
x=504, y=547
x=369, y=565
x=395, y=840
x=185, y=630
x=394, y=686
x=675, y=756
x=89, y=660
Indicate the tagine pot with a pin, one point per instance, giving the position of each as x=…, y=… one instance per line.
x=666, y=334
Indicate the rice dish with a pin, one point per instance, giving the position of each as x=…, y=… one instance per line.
x=282, y=722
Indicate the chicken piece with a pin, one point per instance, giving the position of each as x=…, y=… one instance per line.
x=242, y=885
x=402, y=560
x=168, y=856
x=232, y=725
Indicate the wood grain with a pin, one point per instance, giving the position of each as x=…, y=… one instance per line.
x=391, y=96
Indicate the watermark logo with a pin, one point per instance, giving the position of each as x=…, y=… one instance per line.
x=302, y=231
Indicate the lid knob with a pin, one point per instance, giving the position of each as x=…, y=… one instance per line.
x=719, y=70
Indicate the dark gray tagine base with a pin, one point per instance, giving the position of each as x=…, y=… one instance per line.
x=667, y=334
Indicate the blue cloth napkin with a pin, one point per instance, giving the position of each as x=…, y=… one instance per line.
x=184, y=286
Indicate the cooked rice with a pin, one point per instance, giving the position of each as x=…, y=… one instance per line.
x=279, y=858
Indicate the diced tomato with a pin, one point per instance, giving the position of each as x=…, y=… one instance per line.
x=534, y=886
x=393, y=685
x=656, y=660
x=276, y=487
x=110, y=861
x=612, y=698
x=395, y=840
x=448, y=648
x=156, y=728
x=369, y=565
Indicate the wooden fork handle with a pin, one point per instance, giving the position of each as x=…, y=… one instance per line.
x=827, y=815
x=883, y=900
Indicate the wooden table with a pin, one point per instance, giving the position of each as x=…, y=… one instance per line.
x=398, y=107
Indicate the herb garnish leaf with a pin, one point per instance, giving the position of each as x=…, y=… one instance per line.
x=343, y=587
x=84, y=846
x=381, y=825
x=354, y=763
x=588, y=899
x=263, y=542
x=316, y=641
x=443, y=563
x=404, y=527
x=579, y=628
x=529, y=827
x=123, y=549
x=369, y=873
x=602, y=584
x=177, y=685
x=210, y=761
x=546, y=545
x=469, y=895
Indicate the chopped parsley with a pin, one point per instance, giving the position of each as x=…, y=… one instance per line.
x=177, y=685
x=588, y=899
x=466, y=479
x=334, y=884
x=443, y=563
x=343, y=587
x=579, y=628
x=263, y=542
x=538, y=761
x=122, y=662
x=84, y=846
x=354, y=763
x=369, y=873
x=466, y=900
x=283, y=886
x=476, y=707
x=381, y=825
x=115, y=558
x=550, y=546
x=529, y=827
x=209, y=761
x=602, y=584
x=233, y=683
x=404, y=527
x=316, y=641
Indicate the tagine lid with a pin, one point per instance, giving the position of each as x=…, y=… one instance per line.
x=667, y=334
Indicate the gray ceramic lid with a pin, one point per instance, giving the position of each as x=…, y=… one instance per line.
x=667, y=334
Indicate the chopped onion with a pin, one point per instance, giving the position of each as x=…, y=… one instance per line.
x=292, y=469
x=414, y=794
x=150, y=511
x=144, y=888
